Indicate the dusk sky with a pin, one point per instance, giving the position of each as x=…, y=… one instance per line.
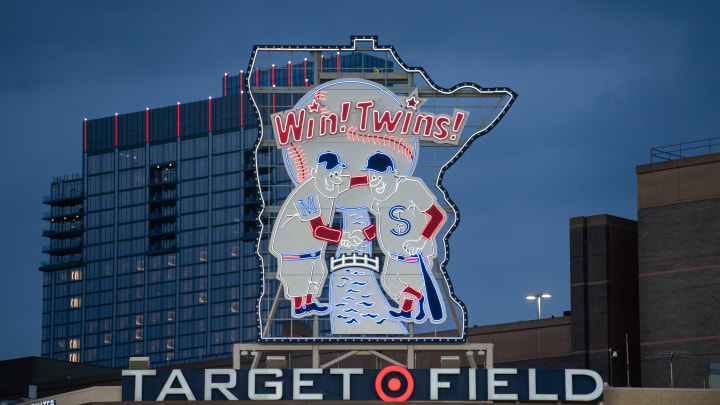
x=598, y=85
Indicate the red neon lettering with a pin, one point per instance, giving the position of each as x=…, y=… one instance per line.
x=427, y=120
x=310, y=128
x=406, y=123
x=328, y=118
x=363, y=106
x=344, y=111
x=385, y=121
x=441, y=123
x=292, y=124
x=459, y=118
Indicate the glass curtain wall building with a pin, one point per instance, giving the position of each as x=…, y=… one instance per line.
x=152, y=248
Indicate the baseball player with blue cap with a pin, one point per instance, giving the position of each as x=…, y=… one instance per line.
x=302, y=230
x=408, y=218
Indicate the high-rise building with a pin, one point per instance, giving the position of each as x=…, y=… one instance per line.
x=152, y=247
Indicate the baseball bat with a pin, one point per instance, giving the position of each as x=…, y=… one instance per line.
x=433, y=299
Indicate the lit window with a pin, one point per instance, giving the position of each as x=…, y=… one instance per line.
x=141, y=265
x=76, y=275
x=202, y=298
x=171, y=315
x=108, y=338
x=75, y=302
x=234, y=306
x=74, y=357
x=138, y=320
x=203, y=255
x=171, y=260
x=74, y=343
x=169, y=356
x=170, y=344
x=138, y=334
x=235, y=251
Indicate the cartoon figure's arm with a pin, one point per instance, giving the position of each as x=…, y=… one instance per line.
x=324, y=232
x=354, y=182
x=425, y=201
x=436, y=218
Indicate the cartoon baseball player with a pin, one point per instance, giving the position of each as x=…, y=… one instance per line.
x=408, y=217
x=302, y=231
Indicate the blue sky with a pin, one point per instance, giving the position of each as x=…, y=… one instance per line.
x=599, y=84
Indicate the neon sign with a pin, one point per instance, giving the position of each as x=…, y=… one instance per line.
x=360, y=241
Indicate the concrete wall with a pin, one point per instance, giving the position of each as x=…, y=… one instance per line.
x=679, y=268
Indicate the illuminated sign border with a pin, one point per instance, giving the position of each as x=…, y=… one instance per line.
x=441, y=173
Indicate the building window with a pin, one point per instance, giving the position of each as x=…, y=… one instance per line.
x=234, y=307
x=138, y=320
x=169, y=356
x=76, y=275
x=202, y=298
x=74, y=343
x=203, y=255
x=74, y=357
x=75, y=302
x=141, y=265
x=171, y=260
x=170, y=316
x=108, y=338
x=138, y=334
x=170, y=345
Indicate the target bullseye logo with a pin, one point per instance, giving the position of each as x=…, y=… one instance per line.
x=394, y=384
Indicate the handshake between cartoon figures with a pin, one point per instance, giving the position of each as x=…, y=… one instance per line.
x=407, y=220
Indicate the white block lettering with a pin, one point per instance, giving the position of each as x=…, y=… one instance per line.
x=346, y=373
x=138, y=374
x=277, y=385
x=492, y=384
x=223, y=387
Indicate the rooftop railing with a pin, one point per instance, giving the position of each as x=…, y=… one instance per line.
x=684, y=150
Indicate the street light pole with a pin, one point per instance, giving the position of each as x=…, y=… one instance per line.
x=538, y=297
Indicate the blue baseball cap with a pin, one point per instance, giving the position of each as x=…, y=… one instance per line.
x=331, y=160
x=380, y=162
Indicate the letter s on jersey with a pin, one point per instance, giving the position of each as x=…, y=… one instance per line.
x=404, y=226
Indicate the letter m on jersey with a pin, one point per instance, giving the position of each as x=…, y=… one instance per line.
x=306, y=209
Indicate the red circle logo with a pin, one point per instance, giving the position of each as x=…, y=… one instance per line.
x=394, y=384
